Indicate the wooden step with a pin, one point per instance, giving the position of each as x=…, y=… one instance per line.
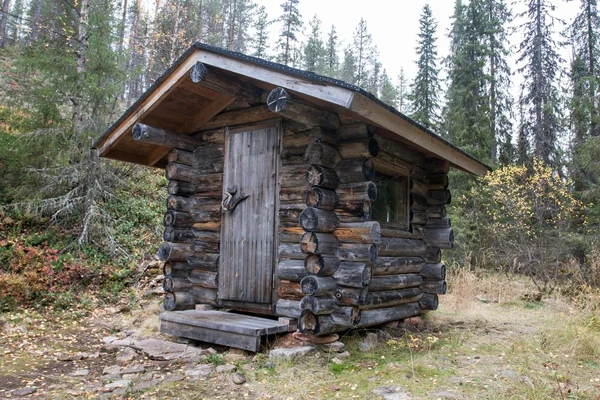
x=219, y=327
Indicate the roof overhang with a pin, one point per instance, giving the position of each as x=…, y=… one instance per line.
x=186, y=108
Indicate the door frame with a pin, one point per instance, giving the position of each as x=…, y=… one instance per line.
x=260, y=308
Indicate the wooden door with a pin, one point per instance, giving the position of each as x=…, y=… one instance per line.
x=248, y=239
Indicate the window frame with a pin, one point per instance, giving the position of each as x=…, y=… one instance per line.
x=403, y=174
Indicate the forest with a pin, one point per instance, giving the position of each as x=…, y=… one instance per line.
x=68, y=68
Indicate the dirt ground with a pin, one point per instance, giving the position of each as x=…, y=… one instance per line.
x=484, y=342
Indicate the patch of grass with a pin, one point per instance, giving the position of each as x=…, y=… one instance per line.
x=533, y=305
x=215, y=359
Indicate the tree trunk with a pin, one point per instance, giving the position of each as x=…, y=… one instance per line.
x=35, y=22
x=4, y=22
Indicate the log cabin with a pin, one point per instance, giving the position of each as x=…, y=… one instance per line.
x=296, y=201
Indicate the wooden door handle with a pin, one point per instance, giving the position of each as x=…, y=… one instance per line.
x=231, y=199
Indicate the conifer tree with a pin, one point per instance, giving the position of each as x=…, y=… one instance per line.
x=4, y=22
x=540, y=65
x=388, y=92
x=332, y=60
x=314, y=51
x=403, y=101
x=362, y=48
x=348, y=69
x=425, y=90
x=288, y=38
x=261, y=39
x=239, y=16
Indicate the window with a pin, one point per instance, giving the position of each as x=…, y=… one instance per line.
x=391, y=205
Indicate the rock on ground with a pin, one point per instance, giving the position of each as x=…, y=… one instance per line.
x=292, y=353
x=392, y=393
x=162, y=350
x=238, y=378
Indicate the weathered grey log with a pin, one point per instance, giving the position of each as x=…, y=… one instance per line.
x=202, y=261
x=320, y=153
x=436, y=212
x=387, y=164
x=204, y=278
x=180, y=219
x=323, y=177
x=206, y=236
x=359, y=232
x=319, y=305
x=418, y=203
x=351, y=296
x=289, y=290
x=356, y=130
x=397, y=265
x=324, y=199
x=434, y=286
x=204, y=75
x=381, y=316
x=290, y=106
x=401, y=151
x=439, y=197
x=181, y=172
x=209, y=185
x=439, y=223
x=289, y=250
x=316, y=324
x=393, y=232
x=437, y=181
x=436, y=166
x=354, y=212
x=418, y=218
x=179, y=252
x=357, y=192
x=290, y=234
x=432, y=255
x=303, y=138
x=181, y=157
x=317, y=285
x=429, y=301
x=209, y=152
x=187, y=204
x=358, y=148
x=346, y=316
x=391, y=282
x=398, y=247
x=171, y=284
x=178, y=235
x=179, y=301
x=433, y=271
x=418, y=231
x=210, y=226
x=315, y=220
x=357, y=252
x=319, y=243
x=240, y=117
x=353, y=274
x=295, y=194
x=440, y=238
x=291, y=270
x=293, y=155
x=419, y=188
x=294, y=175
x=391, y=298
x=288, y=308
x=289, y=216
x=356, y=170
x=147, y=134
x=322, y=265
x=211, y=136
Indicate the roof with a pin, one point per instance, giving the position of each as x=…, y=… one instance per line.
x=186, y=108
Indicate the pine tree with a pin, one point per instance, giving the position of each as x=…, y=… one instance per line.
x=15, y=29
x=4, y=22
x=363, y=52
x=388, y=92
x=348, y=69
x=288, y=38
x=467, y=120
x=332, y=60
x=373, y=85
x=36, y=11
x=261, y=39
x=426, y=89
x=314, y=52
x=540, y=66
x=498, y=16
x=403, y=101
x=239, y=16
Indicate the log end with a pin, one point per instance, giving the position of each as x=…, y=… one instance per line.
x=308, y=322
x=164, y=252
x=138, y=131
x=277, y=99
x=198, y=72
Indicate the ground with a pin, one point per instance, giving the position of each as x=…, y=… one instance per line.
x=486, y=341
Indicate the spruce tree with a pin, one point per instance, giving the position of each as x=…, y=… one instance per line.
x=388, y=92
x=314, y=51
x=332, y=60
x=239, y=16
x=362, y=48
x=261, y=39
x=348, y=69
x=425, y=90
x=288, y=38
x=540, y=65
x=402, y=100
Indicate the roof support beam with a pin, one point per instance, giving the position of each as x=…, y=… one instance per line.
x=289, y=106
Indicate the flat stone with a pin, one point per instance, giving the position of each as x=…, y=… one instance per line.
x=225, y=369
x=109, y=339
x=123, y=383
x=292, y=353
x=109, y=348
x=145, y=385
x=126, y=355
x=445, y=394
x=173, y=378
x=509, y=374
x=370, y=342
x=81, y=372
x=111, y=369
x=336, y=347
x=345, y=354
x=23, y=392
x=163, y=350
x=134, y=369
x=202, y=370
x=230, y=358
x=129, y=376
x=110, y=377
x=394, y=365
x=238, y=379
x=337, y=360
x=123, y=342
x=392, y=393
x=148, y=376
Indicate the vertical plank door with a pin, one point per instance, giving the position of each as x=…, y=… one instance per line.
x=248, y=237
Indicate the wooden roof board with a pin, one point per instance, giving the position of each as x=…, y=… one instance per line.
x=319, y=90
